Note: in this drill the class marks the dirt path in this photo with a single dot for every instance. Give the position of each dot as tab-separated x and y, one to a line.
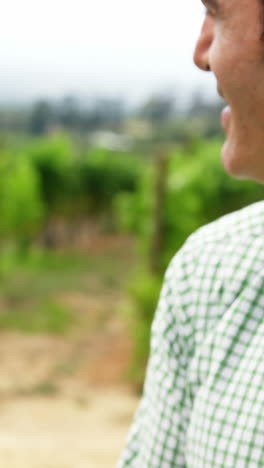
63	433
62	400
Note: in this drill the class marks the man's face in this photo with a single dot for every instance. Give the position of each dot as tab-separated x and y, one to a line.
230	45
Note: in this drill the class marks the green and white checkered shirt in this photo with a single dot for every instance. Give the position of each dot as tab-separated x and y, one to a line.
203	402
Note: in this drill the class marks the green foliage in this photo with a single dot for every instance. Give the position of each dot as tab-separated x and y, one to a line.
134	211
105	173
21	206
197	191
86	184
52	159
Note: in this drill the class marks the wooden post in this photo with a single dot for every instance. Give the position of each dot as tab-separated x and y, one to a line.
158	238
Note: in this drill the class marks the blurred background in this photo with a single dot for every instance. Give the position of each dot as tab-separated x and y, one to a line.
109	158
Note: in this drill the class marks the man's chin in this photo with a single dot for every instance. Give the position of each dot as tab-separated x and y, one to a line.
232	160
237	161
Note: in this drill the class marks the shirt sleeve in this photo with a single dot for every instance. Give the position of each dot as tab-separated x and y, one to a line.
157	436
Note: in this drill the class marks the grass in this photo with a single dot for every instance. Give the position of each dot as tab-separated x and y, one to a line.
53	271
48	317
30	286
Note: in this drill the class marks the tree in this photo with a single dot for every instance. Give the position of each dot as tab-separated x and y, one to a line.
158	109
105	113
42	117
69	113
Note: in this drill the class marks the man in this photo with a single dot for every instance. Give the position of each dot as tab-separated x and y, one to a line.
203	402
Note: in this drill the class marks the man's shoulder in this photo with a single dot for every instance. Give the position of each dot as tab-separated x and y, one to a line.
238	234
209	271
242	224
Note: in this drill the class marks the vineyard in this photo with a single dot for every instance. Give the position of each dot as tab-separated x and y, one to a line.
60	203
85	237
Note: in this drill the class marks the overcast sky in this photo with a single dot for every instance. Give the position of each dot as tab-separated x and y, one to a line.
126	48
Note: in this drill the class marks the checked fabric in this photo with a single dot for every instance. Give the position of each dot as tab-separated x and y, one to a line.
203	400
